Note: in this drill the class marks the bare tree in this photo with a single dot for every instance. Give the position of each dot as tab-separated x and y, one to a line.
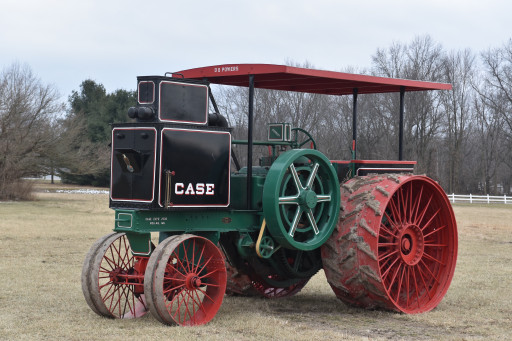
28	110
459	68
490	145
498	80
419	60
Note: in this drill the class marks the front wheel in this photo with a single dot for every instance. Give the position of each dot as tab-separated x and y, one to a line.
185	280
112	278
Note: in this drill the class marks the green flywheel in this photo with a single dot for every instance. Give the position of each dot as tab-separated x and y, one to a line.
301	199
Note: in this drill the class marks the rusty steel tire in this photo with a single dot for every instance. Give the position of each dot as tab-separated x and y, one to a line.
105	290
395	245
86	274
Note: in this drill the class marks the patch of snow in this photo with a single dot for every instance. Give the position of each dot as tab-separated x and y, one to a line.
82	191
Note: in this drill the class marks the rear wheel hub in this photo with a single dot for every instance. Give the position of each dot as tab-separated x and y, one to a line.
411	245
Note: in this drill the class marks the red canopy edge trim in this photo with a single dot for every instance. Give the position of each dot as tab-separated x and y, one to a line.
289	78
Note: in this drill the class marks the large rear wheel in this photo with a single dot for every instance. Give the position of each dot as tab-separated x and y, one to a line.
395	245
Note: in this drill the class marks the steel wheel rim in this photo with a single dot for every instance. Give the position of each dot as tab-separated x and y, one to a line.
417	246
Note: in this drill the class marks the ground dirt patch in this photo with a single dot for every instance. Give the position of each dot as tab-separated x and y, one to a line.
43	244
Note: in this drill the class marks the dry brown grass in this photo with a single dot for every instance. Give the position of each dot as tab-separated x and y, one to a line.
43	244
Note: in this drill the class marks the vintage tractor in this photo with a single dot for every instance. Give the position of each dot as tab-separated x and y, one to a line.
385	238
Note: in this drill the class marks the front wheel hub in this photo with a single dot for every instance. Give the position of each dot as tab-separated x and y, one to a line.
193	281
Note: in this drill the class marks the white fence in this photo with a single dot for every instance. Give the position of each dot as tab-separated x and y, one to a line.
480	199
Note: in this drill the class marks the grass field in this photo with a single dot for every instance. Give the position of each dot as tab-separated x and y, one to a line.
43	244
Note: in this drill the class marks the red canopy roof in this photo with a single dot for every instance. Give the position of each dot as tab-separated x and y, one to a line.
289	78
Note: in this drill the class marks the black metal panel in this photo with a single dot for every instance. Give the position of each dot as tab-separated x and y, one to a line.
133	164
146	92
198	164
183	103
173	100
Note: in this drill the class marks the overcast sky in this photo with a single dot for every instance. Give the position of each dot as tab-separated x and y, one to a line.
112	42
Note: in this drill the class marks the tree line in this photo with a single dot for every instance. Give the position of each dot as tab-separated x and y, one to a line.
40	135
462	138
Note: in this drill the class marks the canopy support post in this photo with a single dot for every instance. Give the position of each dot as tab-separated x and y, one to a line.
401	127
249	142
354	123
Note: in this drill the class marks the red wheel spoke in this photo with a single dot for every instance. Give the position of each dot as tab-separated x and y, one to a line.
126	257
111	298
423	280
418	203
394	276
210	273
117	255
430	272
185	253
110	262
174	279
405	206
402	205
434	231
416	286
203	266
384	228
431	219
400	282
381	258
407	286
195	303
206	295
127	303
180	264
410	203
104	285
200	303
194	255
177	299
117	300
174	288
388	244
436	245
389	268
396	199
395	212
200	259
432	258
418	221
